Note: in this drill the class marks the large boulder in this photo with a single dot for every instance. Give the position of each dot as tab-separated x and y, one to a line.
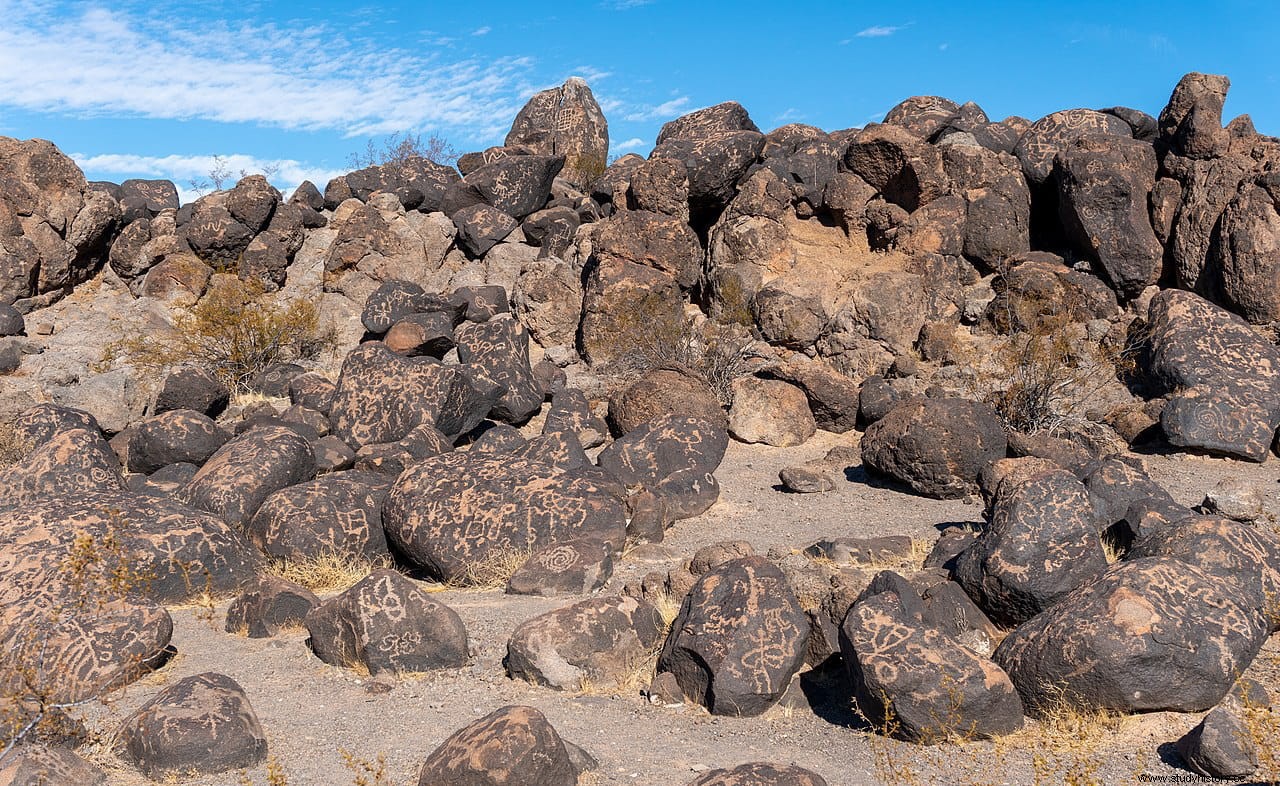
65	463
457	510
40	765
1191	123
715	163
514	185
760	774
1221	376
1054	133
565	121
500	347
739	638
918	681
661	242
998	201
512	746
626	306
664	391
673	456
1042	543
338	513
236	480
937	446
898	164
387	625
1151	634
201	724
600	641
1245	255
923	116
172	437
1104	186
771	412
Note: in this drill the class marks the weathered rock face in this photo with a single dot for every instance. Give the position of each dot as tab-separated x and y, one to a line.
1104	185
739	638
1191	123
1054	133
1245	255
500	347
515	185
998	202
923	116
898	164
37	765
575	567
673	457
929	685
661	242
935	446
598	640
512	746
548	301
386	624
179	435
339	513
565	121
715	161
456	510
201	724
622	299
64	463
53	228
663	391
267	605
1150	634
1223	378
1041	545
236	480
771	412
1221	746
761	774
1225	549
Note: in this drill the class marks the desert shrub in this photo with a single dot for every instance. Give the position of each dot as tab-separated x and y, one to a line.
399	148
327	572
493	571
235	332
585	169
13	447
1049	372
717	353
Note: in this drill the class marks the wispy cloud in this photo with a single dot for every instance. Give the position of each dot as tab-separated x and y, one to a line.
791	115
635	143
591	73
106	62
482	30
663	111
878	31
288	173
625	5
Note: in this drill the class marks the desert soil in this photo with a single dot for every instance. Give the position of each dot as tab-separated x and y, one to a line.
312	712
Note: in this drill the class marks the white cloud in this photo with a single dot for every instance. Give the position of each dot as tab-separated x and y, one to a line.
288	174
943	47
108	62
663	111
879	31
625	5
635	143
791	115
482	30
591	74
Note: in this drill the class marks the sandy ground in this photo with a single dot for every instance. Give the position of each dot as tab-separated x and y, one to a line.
313	713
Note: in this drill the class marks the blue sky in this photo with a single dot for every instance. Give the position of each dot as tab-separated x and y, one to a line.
157	88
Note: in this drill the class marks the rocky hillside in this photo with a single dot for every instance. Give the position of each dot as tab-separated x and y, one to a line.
517	371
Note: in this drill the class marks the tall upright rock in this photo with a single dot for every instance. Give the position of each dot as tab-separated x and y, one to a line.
565	121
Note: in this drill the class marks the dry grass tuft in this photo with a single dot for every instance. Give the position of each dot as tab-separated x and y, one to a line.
493	571
13	447
330	571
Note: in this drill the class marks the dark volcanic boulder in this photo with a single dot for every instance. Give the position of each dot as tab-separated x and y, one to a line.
515	185
234	482
202	724
41	765
761	774
1053	133
576	567
901	166
66	463
620	301
998	214
664	391
937	446
386	624
673	456
1151	634
1042	544
833	397
340	513
923	116
38	424
598	640
739	638
176	436
715	164
1222	377
719	119
565	121
460	509
500	347
481	227
512	746
1191	123
267	605
1104	186
191	388
661	242
1225	549
918	678
1245	255
1221	746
